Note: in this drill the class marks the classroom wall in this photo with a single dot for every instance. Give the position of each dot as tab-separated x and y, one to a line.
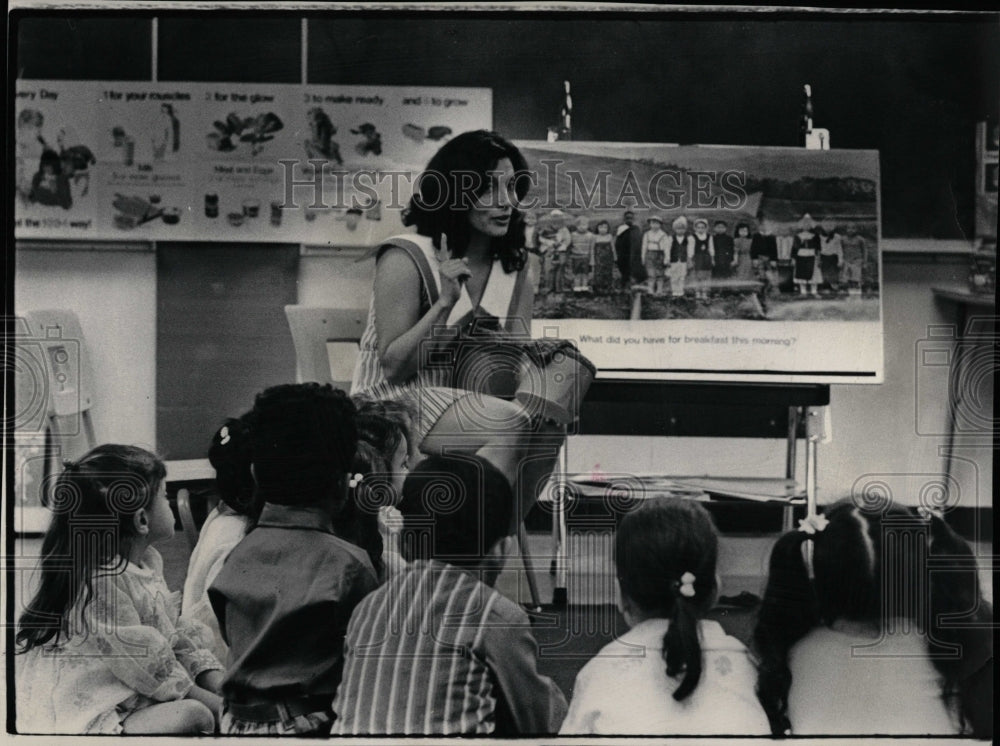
911	88
113	293
874	429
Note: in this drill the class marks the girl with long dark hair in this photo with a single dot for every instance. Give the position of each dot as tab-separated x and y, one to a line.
872	623
103	649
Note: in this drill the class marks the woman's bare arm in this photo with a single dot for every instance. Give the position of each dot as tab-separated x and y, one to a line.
398	323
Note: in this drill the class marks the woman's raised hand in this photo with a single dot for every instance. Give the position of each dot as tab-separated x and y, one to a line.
453	272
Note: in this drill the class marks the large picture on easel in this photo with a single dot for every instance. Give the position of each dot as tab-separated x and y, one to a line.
709	262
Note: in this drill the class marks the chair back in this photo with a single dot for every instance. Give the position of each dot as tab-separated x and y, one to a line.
326	342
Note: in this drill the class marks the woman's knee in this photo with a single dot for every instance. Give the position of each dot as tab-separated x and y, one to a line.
478	419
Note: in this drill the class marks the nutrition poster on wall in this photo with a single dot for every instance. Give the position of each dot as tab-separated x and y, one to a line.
325	165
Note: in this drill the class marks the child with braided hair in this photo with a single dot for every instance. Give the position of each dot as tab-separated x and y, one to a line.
673	672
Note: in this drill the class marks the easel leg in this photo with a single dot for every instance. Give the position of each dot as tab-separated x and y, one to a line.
788	517
529	568
814	431
561	561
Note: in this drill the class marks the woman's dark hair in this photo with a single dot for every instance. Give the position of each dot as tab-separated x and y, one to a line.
378	439
739	227
108	486
605	223
231	455
303	438
657	545
455	509
854	567
458	174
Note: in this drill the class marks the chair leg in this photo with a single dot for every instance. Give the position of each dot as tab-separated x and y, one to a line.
186	516
522	540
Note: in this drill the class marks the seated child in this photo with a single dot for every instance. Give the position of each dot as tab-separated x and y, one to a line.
843	651
672	672
286	592
103	649
376	483
437	650
225	526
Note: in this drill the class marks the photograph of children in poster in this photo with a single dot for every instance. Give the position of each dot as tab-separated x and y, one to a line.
709	262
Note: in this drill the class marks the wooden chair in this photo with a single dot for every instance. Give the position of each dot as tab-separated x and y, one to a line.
326	342
191	528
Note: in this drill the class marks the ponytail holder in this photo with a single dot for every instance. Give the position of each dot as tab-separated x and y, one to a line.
686	585
224	435
929	514
355	481
813	524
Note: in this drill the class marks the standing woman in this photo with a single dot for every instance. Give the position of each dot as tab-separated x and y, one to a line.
466	261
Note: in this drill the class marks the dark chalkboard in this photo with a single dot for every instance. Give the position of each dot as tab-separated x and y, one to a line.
221	336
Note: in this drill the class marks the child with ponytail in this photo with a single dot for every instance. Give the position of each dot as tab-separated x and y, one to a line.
225	526
673	672
102	647
378	471
873	623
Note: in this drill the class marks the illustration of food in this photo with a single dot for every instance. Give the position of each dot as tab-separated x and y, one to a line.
414	132
321	131
371	140
438	133
353	218
253	130
134	211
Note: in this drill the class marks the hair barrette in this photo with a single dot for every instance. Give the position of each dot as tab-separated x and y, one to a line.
813	524
686	585
930	513
355	481
224	435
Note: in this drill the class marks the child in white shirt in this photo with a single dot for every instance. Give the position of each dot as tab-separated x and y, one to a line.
858	634
672	673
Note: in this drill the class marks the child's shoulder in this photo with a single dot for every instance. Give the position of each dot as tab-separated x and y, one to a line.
348	552
150	563
503	609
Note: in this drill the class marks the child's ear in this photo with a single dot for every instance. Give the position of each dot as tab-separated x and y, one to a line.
140	522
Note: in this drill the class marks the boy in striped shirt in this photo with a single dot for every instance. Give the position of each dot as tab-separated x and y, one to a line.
436	650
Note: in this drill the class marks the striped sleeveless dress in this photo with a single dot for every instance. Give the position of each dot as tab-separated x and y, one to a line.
431	391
